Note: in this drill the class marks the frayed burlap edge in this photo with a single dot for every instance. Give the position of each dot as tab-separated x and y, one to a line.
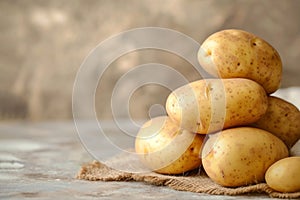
199	183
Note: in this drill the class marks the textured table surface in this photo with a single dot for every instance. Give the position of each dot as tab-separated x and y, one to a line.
40	160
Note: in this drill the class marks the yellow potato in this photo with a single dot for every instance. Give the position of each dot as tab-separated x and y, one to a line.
241	156
239	54
165	148
284	175
209	105
282	119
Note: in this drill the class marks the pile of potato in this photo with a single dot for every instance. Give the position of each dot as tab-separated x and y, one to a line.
230	125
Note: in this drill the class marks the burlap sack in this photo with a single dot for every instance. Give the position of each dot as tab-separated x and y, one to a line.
194	181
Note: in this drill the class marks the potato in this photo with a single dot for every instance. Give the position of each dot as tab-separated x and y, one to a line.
284	175
165	148
239	54
209	105
282	119
240	156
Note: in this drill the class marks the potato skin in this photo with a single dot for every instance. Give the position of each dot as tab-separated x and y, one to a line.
284	175
241	156
281	119
209	105
165	148
239	54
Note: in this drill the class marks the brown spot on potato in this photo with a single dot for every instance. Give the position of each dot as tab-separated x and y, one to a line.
223	174
208	52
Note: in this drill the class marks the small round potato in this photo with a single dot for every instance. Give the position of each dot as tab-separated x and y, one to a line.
240	54
241	156
165	148
209	105
284	175
282	119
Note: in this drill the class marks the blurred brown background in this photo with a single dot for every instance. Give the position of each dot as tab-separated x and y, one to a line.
43	44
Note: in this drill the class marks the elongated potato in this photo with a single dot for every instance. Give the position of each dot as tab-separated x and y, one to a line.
282	119
241	156
240	54
165	148
210	105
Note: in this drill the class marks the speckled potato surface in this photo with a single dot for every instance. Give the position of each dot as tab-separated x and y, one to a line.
165	148
240	54
284	175
240	156
281	119
210	105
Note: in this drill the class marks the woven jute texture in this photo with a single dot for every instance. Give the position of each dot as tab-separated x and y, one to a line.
194	181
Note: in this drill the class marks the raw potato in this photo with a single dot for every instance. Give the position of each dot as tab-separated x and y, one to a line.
284	175
166	149
210	105
241	156
282	119
239	54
